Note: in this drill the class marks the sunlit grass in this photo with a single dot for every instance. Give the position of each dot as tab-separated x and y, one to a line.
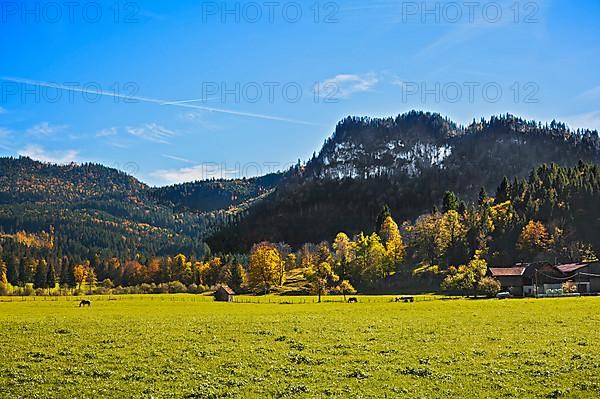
173	346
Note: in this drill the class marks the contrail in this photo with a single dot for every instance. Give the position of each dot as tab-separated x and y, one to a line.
187	101
182	104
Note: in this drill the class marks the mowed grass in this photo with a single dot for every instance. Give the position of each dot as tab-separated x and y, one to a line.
175	347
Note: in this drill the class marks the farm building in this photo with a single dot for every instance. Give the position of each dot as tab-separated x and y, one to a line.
540	278
224	294
585	275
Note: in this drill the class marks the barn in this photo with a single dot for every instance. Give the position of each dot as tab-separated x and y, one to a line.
584	275
537	278
224	294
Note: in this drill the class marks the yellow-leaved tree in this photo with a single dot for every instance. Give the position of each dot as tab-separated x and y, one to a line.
394	246
342	255
534	240
80	274
266	268
321	276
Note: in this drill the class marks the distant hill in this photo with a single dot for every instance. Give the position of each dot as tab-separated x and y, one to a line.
91	209
407	162
211	195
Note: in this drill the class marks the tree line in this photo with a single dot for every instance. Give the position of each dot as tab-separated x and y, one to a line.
552	215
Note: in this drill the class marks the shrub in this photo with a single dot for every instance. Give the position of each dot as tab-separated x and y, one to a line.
28	290
489	287
162	288
145	288
107	283
193	289
177	287
203	288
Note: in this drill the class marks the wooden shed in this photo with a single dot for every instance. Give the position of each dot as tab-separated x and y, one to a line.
224	294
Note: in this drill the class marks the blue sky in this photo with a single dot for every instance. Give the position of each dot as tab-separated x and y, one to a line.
150	87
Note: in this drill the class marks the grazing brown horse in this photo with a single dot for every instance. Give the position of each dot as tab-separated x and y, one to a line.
352	300
85	302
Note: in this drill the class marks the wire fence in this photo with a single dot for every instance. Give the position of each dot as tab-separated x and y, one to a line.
239	299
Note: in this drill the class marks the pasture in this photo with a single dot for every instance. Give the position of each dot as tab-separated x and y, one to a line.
189	347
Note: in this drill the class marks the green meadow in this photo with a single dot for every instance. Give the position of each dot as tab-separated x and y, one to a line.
190	347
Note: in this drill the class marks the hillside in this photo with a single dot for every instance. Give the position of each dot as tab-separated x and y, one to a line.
89	209
211	195
407	162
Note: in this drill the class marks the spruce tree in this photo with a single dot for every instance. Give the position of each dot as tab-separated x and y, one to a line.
384	214
40	275
503	191
483	197
51	277
12	270
451	202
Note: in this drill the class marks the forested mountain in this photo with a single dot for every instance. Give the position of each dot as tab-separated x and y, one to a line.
88	210
210	195
407	162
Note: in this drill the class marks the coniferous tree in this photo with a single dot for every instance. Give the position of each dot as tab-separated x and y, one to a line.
451	202
40	275
12	270
483	197
384	214
24	275
503	192
51	277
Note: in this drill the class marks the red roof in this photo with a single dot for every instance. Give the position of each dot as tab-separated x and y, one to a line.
227	289
573	267
507	271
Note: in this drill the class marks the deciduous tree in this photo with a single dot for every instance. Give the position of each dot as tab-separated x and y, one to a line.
265	267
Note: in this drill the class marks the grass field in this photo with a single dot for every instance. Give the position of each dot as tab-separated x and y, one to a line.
188	347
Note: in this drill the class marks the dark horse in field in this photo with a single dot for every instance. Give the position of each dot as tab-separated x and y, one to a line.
85	302
352	300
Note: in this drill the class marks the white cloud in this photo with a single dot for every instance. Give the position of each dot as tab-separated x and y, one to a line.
44	129
111	131
198	118
344	85
3	110
4	138
590	94
197	172
589	120
152	132
4	132
175	158
39	153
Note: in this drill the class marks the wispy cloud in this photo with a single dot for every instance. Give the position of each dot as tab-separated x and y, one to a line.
590	94
44	129
111	131
344	85
38	152
175	158
589	120
3	110
4	133
198	118
470	27
171	103
152	132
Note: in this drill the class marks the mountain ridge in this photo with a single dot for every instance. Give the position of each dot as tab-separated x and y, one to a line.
407	162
